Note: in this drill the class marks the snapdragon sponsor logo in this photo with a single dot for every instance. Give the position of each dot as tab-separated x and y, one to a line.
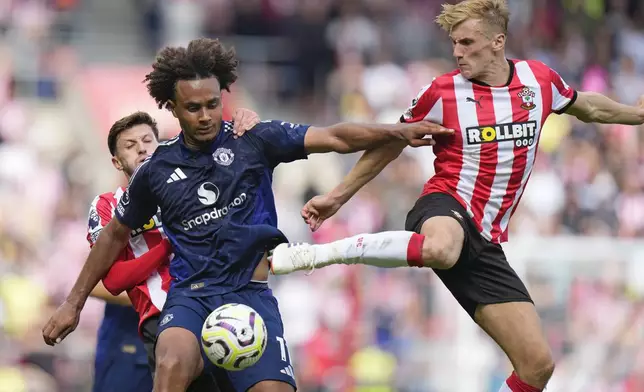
214	214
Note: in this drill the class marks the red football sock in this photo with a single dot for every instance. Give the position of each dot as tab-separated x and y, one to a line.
514	384
415	250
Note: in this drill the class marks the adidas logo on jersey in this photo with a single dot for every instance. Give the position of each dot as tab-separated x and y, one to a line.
177	175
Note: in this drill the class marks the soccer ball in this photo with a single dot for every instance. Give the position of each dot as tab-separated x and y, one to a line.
234	336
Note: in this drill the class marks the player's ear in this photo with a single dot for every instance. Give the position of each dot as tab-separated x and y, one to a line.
498	43
117	164
171	107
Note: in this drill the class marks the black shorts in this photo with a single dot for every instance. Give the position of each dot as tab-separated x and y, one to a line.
149	335
205	383
482	274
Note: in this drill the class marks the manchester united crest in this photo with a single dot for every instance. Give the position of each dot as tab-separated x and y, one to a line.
223	156
527	96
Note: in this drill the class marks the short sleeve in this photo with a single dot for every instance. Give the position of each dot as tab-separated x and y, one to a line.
100	214
425	102
281	141
563	96
137	205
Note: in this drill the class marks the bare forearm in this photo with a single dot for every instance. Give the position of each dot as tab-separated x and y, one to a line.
100	259
346	138
359	137
366	169
601	109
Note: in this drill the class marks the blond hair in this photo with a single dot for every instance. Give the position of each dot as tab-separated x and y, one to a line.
494	13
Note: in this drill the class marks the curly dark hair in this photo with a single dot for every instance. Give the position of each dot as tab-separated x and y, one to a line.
203	58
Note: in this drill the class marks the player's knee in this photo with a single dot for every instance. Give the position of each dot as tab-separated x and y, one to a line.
168	364
443	242
177	360
172	370
436	253
440	251
543	368
537	370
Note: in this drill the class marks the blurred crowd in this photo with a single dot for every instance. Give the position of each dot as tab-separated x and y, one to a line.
323	61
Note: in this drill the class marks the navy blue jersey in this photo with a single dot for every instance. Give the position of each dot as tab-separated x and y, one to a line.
217	204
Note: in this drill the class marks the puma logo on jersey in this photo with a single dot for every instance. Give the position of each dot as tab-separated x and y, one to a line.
522	134
476	101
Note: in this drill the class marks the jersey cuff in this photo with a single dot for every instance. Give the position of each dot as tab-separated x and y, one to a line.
568	105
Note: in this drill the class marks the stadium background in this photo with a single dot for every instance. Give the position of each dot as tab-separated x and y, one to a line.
68	68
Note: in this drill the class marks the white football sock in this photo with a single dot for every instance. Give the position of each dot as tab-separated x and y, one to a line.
389	249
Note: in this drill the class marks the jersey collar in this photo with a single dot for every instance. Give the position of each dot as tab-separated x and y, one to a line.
511	63
213	145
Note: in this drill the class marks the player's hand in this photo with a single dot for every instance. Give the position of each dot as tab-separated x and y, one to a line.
63	322
319	209
244	120
415	133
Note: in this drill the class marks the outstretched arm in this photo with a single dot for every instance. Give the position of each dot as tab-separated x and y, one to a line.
372	162
425	106
590	106
597	108
350	137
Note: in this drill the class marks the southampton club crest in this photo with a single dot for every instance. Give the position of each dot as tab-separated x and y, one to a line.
223	156
527	96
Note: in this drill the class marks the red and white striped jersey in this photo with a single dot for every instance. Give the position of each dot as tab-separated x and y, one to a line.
486	164
148	297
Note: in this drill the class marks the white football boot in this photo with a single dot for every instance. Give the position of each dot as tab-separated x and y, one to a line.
291	257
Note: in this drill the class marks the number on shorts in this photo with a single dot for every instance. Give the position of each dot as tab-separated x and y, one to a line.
283	349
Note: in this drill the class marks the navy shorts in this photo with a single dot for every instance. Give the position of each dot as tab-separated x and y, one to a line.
191	312
122	372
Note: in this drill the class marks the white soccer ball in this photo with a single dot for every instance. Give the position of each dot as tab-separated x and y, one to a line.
234	336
